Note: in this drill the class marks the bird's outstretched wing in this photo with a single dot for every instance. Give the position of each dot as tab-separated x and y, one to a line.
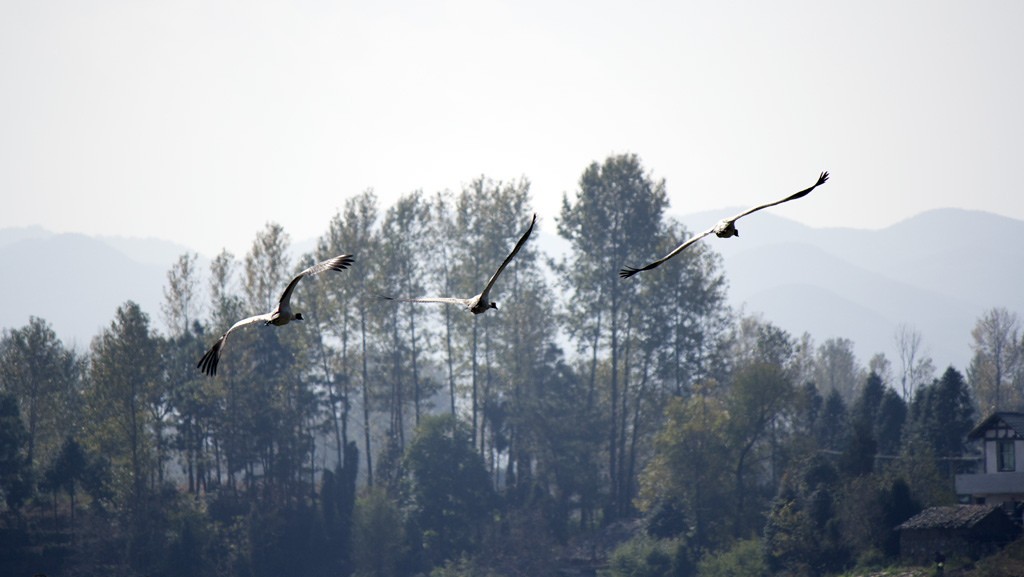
630	271
338	263
208	364
508	259
443	300
794	196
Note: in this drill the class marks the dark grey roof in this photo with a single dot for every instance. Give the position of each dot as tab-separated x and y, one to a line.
1013	420
957	517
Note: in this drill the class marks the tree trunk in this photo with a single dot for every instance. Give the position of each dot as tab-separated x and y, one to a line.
366	402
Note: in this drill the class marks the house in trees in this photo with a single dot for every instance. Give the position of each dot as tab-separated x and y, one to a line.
961	531
1001	478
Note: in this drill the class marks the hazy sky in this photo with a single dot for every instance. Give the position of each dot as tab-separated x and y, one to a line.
199	121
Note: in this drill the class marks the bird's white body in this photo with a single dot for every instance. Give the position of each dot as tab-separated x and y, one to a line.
281	315
724	228
479	303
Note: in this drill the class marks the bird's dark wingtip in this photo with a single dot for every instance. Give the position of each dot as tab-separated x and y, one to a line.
208	368
381	297
342	262
208	364
822	178
628	272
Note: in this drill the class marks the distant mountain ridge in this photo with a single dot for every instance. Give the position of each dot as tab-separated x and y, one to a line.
938	271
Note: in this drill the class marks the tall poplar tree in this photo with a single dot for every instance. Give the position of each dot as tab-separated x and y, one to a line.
125	375
613	220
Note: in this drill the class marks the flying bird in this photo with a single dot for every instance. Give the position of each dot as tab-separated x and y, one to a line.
480	302
281	315
723	229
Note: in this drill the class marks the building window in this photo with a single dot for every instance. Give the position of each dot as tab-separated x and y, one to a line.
1004	456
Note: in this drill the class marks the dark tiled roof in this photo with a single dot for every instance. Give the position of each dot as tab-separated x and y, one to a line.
958	517
1013	420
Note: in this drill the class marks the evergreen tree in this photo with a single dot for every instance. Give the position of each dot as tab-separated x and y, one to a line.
808	409
858	458
892	415
68	471
867	404
832	425
941	415
15	467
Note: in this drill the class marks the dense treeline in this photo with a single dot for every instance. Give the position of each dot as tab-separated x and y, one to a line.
381	438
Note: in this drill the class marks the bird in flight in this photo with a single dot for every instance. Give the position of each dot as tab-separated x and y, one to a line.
480	302
723	229
281	315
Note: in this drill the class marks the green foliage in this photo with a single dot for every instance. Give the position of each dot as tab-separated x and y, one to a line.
941	415
192	547
743	559
858	458
1009	561
918	467
461	567
43	375
378	535
644	556
892	415
125	384
15	468
451	489
690	465
898	505
869	401
833	425
802	535
764	394
68	471
614	219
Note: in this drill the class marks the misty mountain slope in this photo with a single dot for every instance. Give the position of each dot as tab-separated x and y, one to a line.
12	235
963	254
80	296
960	252
821	313
843	300
155	251
761	268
